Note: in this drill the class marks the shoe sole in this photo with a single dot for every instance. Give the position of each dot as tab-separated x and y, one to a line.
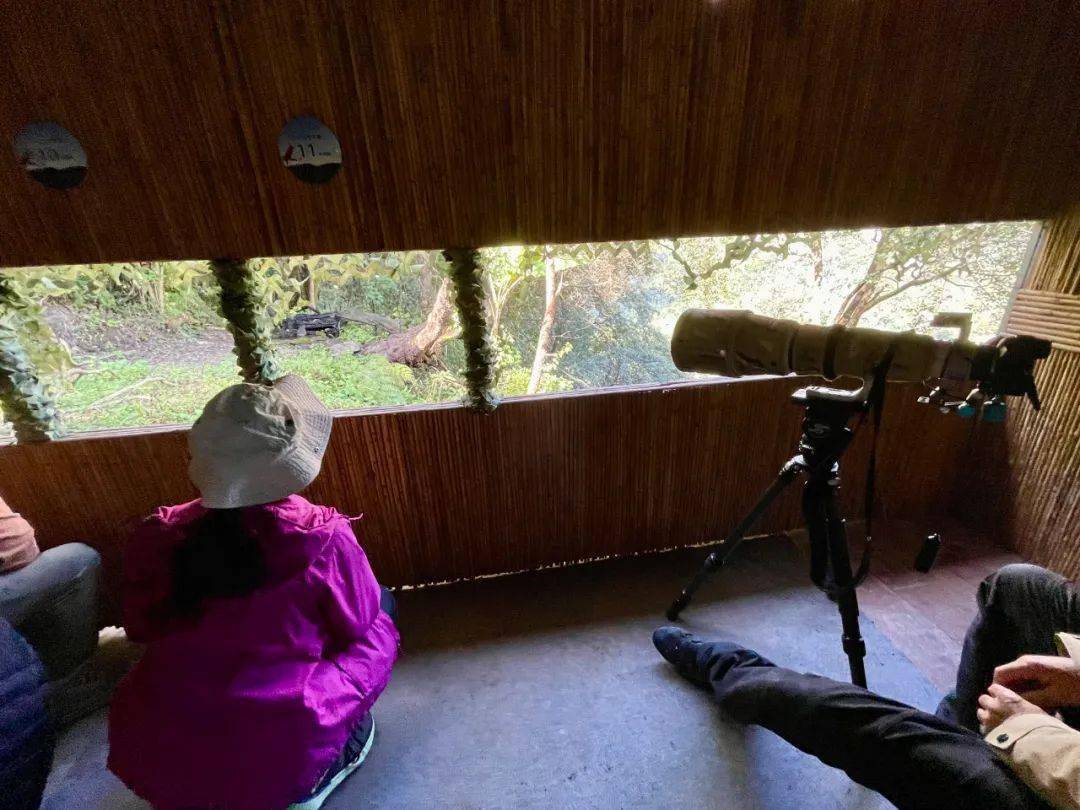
316	801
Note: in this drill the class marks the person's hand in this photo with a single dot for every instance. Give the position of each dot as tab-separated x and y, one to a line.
1048	681
998	704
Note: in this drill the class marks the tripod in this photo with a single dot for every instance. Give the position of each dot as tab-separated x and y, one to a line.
825	436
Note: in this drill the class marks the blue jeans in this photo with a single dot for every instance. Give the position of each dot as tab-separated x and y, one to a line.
26	741
53	604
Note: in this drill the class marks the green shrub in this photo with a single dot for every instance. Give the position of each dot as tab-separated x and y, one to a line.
123	393
352	381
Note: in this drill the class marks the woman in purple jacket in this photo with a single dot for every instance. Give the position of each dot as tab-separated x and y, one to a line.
268	637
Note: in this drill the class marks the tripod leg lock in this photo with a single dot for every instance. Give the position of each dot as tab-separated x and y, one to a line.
715	561
678	606
854	646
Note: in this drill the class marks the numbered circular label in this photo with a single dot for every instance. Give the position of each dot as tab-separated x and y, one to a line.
309	149
50	154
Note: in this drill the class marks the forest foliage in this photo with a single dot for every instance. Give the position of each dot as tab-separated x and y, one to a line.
131	344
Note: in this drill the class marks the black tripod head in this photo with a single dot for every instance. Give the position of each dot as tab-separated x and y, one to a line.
825	425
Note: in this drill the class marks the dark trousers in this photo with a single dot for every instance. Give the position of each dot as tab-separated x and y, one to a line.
914	759
388	604
53	603
26	741
1021	607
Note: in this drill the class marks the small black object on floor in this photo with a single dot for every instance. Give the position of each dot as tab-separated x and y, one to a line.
927	555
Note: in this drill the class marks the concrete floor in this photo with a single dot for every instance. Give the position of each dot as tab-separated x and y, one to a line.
544	690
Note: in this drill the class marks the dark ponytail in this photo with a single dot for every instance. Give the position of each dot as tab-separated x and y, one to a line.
218	558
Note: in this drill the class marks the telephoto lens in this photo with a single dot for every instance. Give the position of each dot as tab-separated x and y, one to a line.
736	342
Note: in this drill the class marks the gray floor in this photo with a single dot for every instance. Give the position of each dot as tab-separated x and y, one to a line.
543	690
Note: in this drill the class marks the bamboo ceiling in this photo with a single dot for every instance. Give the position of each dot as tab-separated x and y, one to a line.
511	121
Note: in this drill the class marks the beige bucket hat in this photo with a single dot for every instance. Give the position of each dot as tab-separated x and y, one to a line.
258	444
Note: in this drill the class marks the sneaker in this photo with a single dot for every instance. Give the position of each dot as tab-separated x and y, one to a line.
704	663
681	649
316	800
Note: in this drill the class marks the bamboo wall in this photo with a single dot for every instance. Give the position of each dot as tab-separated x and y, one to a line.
548	121
530	121
448	493
1028	476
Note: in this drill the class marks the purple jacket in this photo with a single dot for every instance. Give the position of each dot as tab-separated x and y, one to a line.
249	705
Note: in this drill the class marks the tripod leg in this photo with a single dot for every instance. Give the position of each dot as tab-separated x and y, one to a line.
716	559
826	528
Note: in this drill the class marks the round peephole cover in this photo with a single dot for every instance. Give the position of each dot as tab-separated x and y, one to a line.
309	149
50	154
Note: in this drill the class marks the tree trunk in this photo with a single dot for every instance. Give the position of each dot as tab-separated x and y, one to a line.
159	288
419	345
496	301
388	325
435	327
815	255
861	298
495	310
545	338
430	280
856	304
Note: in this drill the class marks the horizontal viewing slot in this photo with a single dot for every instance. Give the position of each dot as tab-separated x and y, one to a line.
133	345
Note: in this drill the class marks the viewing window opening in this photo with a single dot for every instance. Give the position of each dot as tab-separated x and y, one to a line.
138	344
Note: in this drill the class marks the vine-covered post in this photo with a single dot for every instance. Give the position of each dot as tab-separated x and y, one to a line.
469	297
24	399
243	304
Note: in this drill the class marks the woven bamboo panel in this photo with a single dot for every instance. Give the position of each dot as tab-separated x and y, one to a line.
495	121
1027	477
1052	316
1022	484
447	493
1056	268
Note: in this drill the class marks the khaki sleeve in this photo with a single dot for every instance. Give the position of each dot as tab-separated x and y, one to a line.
1045	753
1069	645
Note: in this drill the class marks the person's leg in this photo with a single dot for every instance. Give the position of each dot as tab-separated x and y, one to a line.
389	604
355	750
91	684
53	603
1020	608
912	758
360	737
26	741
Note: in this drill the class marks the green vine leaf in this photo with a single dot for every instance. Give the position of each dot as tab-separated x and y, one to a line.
244	305
25	401
479	356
